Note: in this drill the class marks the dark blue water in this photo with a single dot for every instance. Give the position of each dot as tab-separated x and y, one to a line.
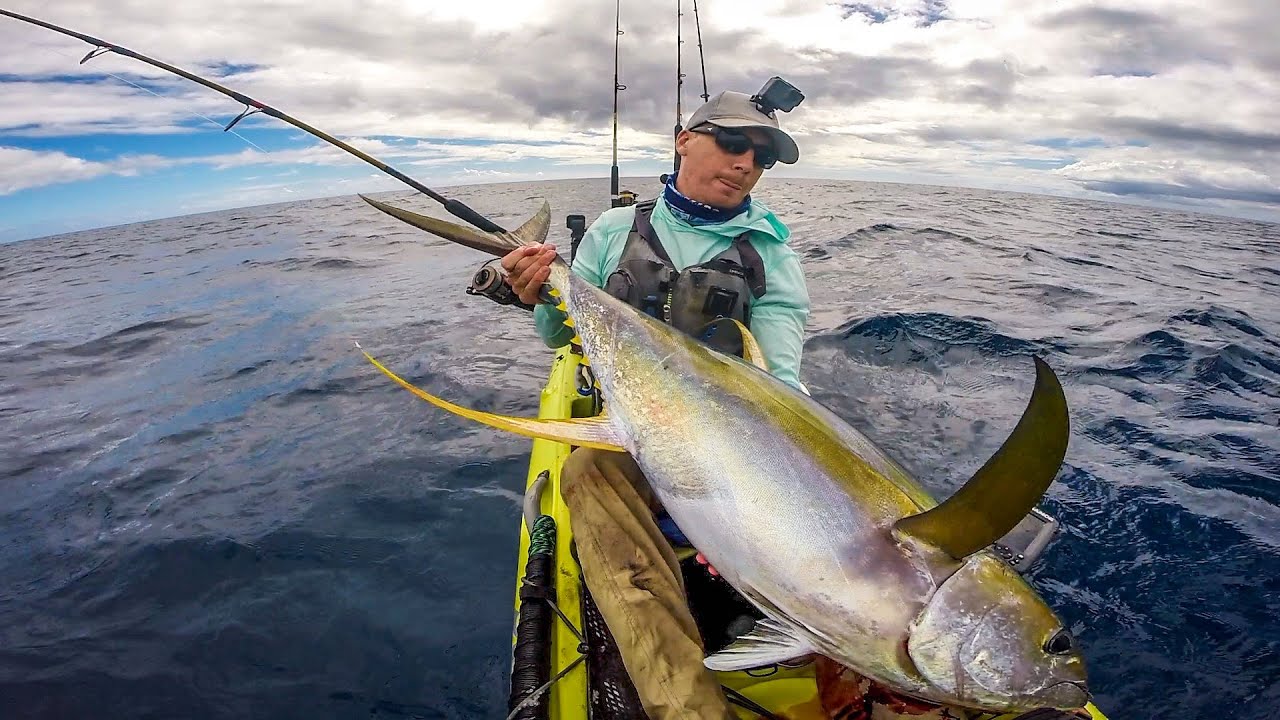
212	507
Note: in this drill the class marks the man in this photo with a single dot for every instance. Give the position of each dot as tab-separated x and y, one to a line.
702	250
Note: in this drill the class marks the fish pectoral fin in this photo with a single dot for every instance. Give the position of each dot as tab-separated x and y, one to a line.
1009	485
751	351
594	432
769	642
533	231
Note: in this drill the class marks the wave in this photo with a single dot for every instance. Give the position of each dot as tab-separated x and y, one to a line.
1235	367
1220	318
926	334
132	340
930	232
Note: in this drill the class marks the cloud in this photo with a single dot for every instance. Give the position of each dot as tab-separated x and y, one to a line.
1143	99
21	169
1144	171
1191	137
1122	41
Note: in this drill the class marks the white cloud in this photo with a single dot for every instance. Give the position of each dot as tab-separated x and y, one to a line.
21	169
1043	95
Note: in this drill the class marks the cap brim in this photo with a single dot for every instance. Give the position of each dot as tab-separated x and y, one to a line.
787	150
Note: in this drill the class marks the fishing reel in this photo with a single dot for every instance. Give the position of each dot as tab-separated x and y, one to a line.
777	94
625	198
491	282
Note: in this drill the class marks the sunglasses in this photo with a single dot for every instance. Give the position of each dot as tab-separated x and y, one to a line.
736	143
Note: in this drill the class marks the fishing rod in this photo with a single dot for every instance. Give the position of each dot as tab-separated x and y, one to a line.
679	80
702	60
617	87
252	107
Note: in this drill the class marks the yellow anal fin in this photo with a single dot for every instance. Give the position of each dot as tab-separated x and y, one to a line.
595	432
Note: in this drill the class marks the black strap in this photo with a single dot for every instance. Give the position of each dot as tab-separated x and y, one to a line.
642	225
752	264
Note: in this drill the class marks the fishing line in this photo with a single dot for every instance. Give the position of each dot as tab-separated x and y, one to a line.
252	107
233	131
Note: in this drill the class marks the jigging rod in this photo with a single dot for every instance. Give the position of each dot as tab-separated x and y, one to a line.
617	87
679	84
252	107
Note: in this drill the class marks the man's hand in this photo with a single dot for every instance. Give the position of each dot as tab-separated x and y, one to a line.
702	560
527	268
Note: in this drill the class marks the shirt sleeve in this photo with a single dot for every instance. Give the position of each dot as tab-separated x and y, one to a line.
779	317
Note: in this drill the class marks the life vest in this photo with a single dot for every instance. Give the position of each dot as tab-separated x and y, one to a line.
690	299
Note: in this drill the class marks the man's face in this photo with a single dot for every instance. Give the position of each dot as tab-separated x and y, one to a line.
712	175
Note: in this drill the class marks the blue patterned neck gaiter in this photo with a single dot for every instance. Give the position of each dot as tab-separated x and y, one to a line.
696	213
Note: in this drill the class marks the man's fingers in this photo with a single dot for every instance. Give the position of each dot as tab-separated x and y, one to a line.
528	267
532	259
528	272
513	258
522	267
702	559
530	293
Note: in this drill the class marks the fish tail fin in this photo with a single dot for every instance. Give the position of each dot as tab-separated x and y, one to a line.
532	232
1009	485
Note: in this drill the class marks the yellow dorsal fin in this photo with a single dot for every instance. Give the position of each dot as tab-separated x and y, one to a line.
595	432
751	351
750	348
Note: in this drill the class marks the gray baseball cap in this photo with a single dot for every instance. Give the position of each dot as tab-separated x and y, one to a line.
732	109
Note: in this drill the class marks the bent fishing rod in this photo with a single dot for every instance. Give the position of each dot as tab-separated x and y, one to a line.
252	107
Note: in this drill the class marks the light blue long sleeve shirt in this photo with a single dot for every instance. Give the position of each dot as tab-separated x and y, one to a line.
778	317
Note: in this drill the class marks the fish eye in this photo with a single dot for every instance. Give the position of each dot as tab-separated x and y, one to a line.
1060	644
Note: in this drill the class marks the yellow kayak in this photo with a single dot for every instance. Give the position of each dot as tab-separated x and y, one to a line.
558	674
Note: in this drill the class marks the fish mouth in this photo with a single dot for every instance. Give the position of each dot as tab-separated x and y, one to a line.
1067	694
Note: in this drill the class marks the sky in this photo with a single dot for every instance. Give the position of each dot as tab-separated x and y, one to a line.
1172	103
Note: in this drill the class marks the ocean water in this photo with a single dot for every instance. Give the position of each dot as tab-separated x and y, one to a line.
211	506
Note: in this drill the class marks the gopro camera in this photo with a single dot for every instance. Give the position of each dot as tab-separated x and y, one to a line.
777	94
